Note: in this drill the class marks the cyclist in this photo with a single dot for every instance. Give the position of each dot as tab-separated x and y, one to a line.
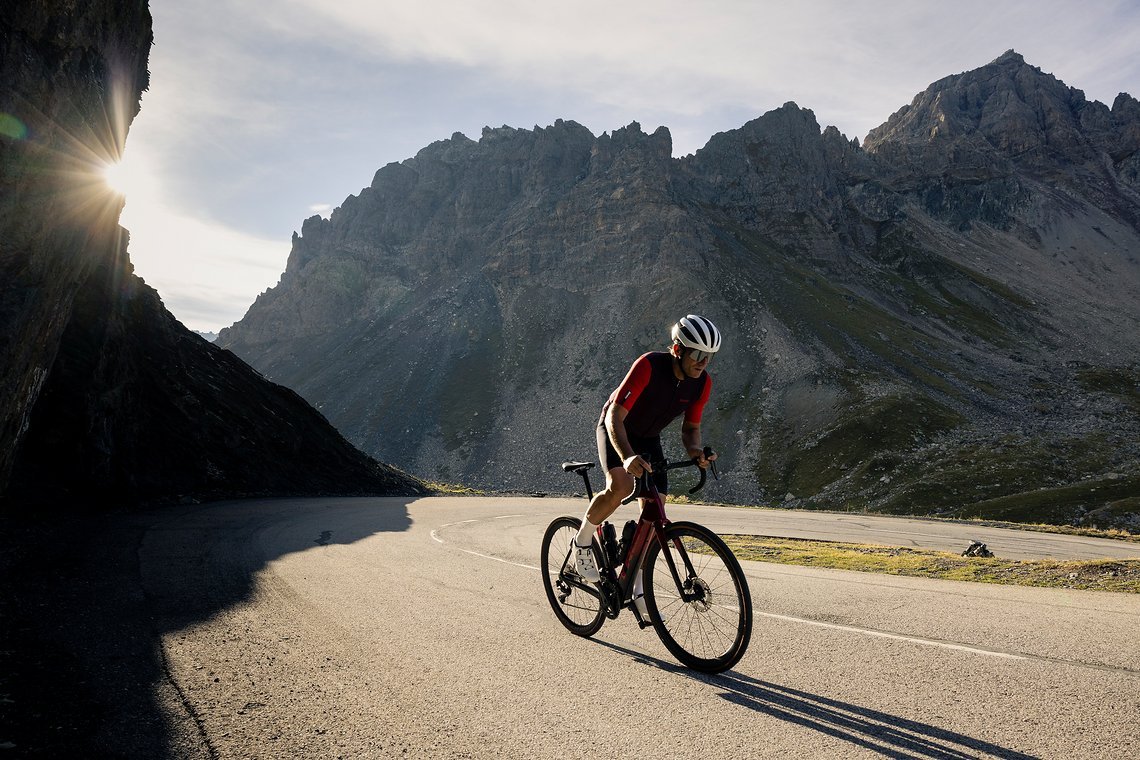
659	387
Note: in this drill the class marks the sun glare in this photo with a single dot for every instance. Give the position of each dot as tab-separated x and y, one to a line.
118	177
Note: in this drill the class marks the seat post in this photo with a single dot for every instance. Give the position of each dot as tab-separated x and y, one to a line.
586	479
581	468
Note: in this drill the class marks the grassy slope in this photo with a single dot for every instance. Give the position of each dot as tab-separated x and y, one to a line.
1095	575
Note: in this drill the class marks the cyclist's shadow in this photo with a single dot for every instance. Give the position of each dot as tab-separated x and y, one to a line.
886	734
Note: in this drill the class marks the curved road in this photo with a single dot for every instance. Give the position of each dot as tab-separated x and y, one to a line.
419	628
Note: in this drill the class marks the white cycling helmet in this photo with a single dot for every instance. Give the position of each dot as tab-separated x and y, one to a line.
697	332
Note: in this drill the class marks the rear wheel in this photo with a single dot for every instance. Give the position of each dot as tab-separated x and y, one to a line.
577	604
706	621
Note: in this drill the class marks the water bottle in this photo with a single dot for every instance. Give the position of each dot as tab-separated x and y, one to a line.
626	539
609	541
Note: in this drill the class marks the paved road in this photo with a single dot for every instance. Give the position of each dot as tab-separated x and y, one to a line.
397	628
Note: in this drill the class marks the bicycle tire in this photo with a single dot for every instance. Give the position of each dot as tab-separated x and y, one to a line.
581	611
709	634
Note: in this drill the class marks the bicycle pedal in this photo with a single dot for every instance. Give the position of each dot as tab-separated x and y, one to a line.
643	624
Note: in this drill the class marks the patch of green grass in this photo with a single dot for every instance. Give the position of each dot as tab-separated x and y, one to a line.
1016	479
1116	495
818	310
989	283
1116	534
865	436
1092	575
453	489
941	302
1122	383
852	327
865	442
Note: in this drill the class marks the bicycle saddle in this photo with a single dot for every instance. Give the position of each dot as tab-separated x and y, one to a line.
578	467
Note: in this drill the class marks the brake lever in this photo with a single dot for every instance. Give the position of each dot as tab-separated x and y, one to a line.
700	484
642	483
640	486
708	453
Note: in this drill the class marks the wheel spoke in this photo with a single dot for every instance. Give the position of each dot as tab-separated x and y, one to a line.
710	630
579	609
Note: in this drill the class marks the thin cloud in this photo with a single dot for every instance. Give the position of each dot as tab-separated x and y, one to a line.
253	114
860	61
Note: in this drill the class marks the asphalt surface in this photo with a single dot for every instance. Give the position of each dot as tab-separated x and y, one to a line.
419	628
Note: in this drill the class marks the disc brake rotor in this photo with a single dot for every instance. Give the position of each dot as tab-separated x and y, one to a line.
702	593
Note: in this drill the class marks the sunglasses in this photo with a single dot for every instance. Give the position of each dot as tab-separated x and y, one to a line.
700	356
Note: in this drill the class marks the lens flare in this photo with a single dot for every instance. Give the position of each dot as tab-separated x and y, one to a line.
12	127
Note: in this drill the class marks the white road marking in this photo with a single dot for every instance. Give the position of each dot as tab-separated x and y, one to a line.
497	559
504	517
894	636
436	537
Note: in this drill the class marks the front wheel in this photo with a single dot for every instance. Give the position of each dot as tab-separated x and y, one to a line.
703	615
577	604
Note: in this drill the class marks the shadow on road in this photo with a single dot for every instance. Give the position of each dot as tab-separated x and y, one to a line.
85	601
886	734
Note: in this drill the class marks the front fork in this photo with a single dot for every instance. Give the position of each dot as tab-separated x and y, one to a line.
684	586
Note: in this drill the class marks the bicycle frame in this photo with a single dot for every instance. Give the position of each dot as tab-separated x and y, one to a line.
696	599
650	527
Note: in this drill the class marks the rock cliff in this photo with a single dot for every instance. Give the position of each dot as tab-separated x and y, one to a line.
105	399
945	319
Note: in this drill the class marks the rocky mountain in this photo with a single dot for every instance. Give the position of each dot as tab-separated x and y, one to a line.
945	319
105	399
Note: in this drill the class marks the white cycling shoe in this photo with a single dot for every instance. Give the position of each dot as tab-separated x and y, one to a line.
585	563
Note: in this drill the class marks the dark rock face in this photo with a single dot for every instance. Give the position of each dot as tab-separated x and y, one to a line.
63	71
946	319
105	399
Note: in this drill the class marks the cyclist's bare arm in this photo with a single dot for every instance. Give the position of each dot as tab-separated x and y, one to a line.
615	428
691	439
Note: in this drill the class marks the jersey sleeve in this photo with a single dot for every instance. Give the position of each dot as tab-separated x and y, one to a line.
696	409
635	381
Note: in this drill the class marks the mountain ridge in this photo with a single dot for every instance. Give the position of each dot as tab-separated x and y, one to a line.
885	306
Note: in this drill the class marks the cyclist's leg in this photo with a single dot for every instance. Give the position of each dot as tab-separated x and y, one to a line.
651	447
619	483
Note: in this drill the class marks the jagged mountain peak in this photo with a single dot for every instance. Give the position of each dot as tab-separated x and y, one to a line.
788	125
1009	56
1008	111
632	134
1005	95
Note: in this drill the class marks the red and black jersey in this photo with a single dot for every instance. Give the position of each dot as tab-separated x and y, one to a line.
653	396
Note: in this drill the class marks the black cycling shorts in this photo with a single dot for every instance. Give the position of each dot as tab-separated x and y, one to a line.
649	448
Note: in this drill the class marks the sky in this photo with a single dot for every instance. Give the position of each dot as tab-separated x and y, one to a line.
260	115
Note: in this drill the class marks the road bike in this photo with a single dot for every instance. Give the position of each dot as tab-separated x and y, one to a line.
695	594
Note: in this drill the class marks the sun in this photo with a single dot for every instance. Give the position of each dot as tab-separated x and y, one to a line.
119	176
